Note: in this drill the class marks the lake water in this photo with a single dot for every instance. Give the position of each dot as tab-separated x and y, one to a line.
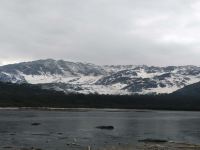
77	129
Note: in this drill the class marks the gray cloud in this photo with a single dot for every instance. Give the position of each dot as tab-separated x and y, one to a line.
152	32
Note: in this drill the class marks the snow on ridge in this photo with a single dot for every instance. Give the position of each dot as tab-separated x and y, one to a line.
88	82
143	74
48	78
160	90
103	90
116	79
8	74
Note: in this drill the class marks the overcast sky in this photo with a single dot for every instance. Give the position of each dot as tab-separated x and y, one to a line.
152	32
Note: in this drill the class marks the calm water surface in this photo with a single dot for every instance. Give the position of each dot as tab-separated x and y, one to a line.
59	129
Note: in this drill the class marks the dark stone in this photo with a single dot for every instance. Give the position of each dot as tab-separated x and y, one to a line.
153	141
105	127
36	124
60	133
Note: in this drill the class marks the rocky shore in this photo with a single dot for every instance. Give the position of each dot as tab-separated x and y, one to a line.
140	146
156	146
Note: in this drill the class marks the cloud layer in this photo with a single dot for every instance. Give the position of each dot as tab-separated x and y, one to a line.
152	32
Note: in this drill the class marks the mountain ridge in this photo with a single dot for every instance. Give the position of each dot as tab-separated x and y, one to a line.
88	78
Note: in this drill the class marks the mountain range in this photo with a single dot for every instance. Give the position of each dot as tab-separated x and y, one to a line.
87	78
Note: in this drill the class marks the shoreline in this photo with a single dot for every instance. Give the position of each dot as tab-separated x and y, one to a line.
91	109
71	109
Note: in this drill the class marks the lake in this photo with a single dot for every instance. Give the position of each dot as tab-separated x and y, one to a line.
76	128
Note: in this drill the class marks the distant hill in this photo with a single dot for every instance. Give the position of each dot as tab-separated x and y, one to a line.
192	90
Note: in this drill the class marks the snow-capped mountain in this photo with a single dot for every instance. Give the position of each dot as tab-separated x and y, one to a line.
86	78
